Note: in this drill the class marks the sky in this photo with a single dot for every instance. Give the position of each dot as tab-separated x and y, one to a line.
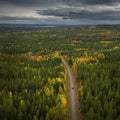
68	12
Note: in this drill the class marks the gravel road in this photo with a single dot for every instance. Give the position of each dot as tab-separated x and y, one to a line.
72	97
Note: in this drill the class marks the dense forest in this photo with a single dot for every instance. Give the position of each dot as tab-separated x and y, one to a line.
33	81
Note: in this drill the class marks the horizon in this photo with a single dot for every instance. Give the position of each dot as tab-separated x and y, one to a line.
47	24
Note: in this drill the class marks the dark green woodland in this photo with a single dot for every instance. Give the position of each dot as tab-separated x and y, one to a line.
33	80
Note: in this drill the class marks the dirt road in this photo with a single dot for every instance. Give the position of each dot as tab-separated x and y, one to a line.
72	95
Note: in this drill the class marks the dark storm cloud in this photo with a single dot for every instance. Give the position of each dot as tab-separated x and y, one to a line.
99	1
108	15
15	18
72	13
31	2
60	10
72	2
89	2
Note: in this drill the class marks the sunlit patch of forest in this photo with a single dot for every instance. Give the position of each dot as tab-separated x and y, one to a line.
33	82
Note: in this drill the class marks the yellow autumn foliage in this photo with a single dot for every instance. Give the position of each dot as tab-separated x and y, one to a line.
116	47
36	57
49	79
59	79
47	91
26	68
106	42
22	103
63	101
10	94
38	92
86	57
26	90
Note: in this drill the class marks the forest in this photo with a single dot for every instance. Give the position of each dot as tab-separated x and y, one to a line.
33	80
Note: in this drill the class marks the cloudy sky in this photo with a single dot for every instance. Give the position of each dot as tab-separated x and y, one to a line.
60	11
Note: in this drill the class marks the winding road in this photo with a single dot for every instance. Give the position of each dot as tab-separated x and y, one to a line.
72	95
